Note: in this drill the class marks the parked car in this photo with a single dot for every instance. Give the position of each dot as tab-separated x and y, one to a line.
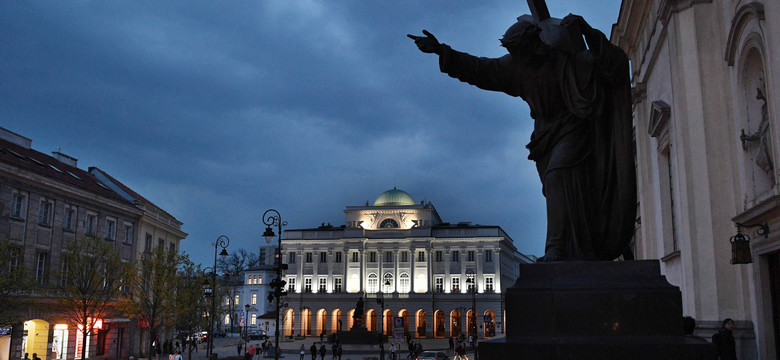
257	335
219	333
433	355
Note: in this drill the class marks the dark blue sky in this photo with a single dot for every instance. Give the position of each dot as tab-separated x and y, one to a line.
217	111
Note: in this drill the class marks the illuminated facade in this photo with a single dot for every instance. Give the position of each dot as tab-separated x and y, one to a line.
400	252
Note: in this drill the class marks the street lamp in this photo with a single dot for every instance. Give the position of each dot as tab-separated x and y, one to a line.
472	281
270	218
246	328
381	301
221	242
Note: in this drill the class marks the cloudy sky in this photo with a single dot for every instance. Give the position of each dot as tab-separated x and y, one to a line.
219	110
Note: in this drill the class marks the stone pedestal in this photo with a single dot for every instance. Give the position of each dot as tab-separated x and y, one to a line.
594	310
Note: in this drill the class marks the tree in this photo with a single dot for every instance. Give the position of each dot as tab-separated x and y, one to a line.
237	262
191	305
90	281
14	283
151	291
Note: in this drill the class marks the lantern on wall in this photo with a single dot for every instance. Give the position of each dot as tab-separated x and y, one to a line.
740	243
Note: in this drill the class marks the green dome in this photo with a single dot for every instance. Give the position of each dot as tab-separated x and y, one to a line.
394	197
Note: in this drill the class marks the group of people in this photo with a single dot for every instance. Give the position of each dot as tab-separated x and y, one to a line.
259	350
335	351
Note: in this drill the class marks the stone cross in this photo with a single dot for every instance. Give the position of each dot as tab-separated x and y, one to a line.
539	10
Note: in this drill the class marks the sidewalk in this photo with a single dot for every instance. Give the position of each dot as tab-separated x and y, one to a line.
227	348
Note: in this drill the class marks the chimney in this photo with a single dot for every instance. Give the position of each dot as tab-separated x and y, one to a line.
65	159
15	138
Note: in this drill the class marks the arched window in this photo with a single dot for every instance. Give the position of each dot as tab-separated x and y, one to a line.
387	283
404	284
373	283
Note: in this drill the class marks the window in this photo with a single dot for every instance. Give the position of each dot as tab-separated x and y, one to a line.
160	242
489	284
172	247
455	284
291	257
470	255
40	268
17	206
148	243
323	257
291	284
110	229
439	256
253	320
227	300
355	256
69	220
323	284
388	256
456	256
64	273
337	284
91	224
308	257
404	256
404	285
438	284
338	256
254	298
472	284
372	256
388	224
128	233
421	256
373	283
15	259
236	298
387	283
227	319
44	215
488	255
307	285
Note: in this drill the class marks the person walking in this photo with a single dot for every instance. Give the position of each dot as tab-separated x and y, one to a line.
322	352
313	350
340	350
724	341
302	351
238	349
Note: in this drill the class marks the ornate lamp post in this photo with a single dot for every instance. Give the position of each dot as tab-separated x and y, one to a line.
246	328
221	242
272	217
381	301
472	281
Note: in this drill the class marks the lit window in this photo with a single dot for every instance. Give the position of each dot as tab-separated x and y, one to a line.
455	284
307	285
439	284
404	284
387	283
489	284
323	284
337	284
236	299
254	298
373	283
227	319
253	320
291	284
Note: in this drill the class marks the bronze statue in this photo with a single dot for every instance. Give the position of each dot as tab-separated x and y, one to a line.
580	100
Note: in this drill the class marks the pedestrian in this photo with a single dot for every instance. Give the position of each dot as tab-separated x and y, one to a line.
452	344
313	350
178	355
26	356
333	349
340	350
238	349
302	351
35	356
724	341
322	352
392	351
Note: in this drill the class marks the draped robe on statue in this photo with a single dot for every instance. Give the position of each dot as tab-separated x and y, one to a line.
581	143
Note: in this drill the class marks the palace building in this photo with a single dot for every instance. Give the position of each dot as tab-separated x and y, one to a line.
404	262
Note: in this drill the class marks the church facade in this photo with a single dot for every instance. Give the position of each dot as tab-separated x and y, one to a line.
413	274
705	76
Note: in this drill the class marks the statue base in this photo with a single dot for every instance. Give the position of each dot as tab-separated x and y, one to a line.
357	335
594	310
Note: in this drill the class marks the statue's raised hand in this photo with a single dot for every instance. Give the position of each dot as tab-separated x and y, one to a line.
427	44
577	21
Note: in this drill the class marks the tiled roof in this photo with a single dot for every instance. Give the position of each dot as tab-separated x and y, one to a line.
39	163
129	191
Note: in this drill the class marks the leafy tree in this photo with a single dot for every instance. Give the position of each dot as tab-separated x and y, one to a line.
14	283
151	291
90	281
191	305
